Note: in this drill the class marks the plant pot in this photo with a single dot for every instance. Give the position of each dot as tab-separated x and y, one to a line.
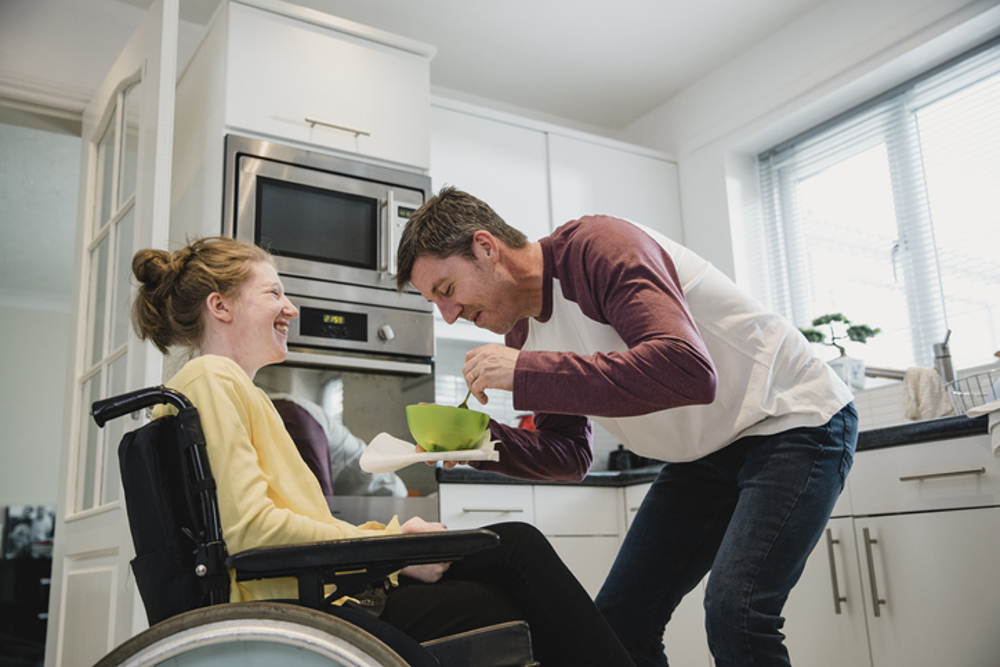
850	370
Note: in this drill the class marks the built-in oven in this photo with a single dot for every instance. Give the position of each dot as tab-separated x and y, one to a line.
359	350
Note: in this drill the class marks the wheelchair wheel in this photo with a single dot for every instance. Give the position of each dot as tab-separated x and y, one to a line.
253	634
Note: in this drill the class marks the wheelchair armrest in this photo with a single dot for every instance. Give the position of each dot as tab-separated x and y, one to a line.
382	551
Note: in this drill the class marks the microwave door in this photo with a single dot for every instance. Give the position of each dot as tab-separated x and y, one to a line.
318	224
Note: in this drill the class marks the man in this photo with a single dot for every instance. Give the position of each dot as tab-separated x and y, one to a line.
610	320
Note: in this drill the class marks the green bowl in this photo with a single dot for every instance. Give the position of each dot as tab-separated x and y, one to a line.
443	428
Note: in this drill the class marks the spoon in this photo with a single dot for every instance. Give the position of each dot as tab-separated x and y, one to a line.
465	404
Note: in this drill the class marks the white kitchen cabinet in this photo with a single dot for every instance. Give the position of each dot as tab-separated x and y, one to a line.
685	639
935	574
825	612
581	522
924	535
589	178
262	68
501	163
282	71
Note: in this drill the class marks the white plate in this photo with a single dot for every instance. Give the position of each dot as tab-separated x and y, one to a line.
386	453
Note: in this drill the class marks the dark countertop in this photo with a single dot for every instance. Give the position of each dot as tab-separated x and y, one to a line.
877	438
922	431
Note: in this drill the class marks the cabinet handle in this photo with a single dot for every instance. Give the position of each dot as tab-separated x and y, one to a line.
946	473
493	510
877	602
837	597
344	128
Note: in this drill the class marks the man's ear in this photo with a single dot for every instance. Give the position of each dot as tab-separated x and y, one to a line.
218	307
485	244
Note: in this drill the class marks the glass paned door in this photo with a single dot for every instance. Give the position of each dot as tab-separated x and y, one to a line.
109	253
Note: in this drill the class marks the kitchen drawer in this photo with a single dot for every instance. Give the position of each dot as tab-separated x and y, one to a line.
465	506
944	474
578	510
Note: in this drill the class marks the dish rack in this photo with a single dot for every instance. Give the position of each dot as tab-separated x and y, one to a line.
975	390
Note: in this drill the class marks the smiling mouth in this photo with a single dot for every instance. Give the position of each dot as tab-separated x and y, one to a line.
282	328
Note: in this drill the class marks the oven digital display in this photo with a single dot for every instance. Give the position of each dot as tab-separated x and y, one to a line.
337	324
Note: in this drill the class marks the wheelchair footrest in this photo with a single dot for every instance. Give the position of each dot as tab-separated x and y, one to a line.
500	645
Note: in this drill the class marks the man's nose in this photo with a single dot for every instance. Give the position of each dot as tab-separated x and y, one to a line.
449	311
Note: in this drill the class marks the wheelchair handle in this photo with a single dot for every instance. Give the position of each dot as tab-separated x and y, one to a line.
114	407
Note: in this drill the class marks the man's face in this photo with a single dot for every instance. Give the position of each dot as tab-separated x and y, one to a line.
476	290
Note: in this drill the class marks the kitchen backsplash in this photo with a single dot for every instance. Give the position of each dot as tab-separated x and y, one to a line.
880	407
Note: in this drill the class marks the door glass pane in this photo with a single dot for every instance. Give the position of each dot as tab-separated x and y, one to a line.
130	143
122	287
105	166
98	297
113	432
90	441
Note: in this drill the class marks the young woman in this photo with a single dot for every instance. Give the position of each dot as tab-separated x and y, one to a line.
223	299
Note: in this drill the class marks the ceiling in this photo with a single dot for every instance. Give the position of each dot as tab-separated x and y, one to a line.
598	63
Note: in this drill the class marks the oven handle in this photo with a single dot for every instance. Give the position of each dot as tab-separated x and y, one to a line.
336	361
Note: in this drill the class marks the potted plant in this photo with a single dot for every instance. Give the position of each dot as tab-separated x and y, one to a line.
850	370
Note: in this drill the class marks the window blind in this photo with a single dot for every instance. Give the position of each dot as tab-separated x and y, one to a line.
890	214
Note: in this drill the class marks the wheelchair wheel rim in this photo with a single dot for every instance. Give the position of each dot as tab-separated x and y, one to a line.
315	638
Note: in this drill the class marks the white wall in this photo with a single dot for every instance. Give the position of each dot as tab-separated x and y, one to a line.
839	55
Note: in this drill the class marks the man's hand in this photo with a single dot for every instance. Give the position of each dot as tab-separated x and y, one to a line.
489	367
431	572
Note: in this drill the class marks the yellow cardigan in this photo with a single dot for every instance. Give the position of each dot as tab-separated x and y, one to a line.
267	494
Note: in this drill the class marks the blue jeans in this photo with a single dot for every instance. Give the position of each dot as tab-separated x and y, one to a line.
751	513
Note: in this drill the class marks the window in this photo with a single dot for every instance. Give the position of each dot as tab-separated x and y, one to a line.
109	293
890	214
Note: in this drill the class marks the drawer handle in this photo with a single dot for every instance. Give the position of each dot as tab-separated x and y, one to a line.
344	128
877	602
947	473
493	510
837	597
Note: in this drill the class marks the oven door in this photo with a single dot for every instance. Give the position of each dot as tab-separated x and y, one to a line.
321	224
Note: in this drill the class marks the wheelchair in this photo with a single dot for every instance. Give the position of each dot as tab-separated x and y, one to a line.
182	568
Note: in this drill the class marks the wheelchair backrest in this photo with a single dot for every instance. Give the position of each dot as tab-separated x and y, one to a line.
173	515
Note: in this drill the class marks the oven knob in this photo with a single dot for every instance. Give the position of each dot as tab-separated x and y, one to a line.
386	333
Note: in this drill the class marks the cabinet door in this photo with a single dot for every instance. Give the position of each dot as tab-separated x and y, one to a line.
936	575
588	178
588	557
685	639
282	70
502	164
464	506
825	612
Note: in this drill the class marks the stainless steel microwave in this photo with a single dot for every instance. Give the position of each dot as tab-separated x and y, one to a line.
323	217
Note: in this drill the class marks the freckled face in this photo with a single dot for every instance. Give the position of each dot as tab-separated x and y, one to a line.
471	289
261	314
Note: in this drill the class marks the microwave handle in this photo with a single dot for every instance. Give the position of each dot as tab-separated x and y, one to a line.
391	241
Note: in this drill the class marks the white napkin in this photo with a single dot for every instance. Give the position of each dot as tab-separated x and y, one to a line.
993	410
386	453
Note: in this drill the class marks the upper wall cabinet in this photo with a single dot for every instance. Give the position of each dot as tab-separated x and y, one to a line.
500	163
288	72
280	72
589	178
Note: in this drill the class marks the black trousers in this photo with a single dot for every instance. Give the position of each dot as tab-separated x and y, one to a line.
521	579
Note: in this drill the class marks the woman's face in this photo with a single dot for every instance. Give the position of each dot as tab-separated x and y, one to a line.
261	314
